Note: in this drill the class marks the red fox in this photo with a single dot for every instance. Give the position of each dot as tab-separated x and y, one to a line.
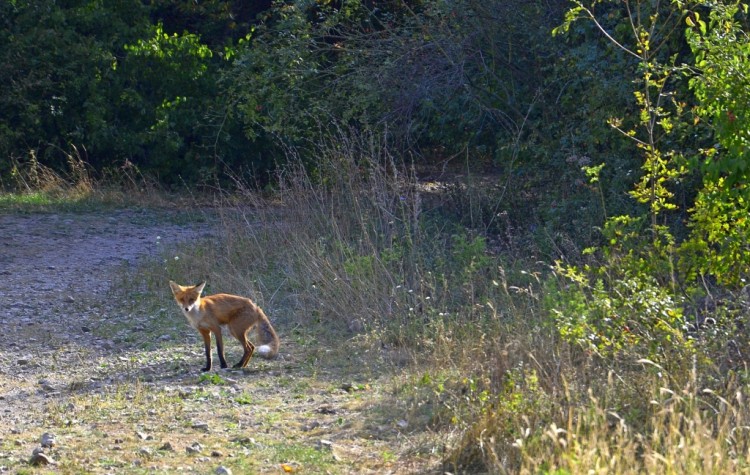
240	314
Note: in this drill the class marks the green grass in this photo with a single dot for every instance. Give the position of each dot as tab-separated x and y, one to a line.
49	202
211	378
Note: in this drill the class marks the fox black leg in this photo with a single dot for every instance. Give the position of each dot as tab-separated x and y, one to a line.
207	347
220	347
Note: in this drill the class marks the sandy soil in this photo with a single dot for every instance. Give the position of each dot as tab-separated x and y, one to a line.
56	271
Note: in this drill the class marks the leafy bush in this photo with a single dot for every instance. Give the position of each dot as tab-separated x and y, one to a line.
631	317
57	62
99	77
167	90
718	245
634	296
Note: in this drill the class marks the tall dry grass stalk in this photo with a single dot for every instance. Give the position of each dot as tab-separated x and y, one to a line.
671	430
349	243
352	229
77	183
31	176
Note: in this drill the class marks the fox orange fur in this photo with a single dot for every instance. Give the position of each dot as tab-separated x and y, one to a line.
240	314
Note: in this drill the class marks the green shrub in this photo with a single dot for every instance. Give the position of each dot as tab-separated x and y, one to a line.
632	317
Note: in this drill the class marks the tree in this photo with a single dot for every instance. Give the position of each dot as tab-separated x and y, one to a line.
55	71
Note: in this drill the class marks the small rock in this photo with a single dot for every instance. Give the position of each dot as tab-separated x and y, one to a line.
144	436
200	426
245	441
69	299
310	426
48	440
324	444
40	458
168	447
221	470
402	424
145	451
194	449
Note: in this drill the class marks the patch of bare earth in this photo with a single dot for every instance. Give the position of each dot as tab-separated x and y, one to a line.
119	390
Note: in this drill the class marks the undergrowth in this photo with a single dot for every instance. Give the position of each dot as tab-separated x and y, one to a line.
350	249
32	186
516	367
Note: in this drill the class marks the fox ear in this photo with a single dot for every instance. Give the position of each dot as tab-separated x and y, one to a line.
199	287
175	288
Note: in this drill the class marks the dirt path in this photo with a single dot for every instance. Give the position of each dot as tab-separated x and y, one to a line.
120	388
53	268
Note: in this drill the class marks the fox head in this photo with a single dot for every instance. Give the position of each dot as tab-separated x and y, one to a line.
187	297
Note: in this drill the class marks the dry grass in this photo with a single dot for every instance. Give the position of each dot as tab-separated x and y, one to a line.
349	251
431	353
33	186
255	421
669	430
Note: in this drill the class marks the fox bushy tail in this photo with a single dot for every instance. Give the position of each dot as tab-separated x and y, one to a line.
267	338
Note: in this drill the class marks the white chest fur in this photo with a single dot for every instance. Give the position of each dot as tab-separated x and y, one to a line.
193	316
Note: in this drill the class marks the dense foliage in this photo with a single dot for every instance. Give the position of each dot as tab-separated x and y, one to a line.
632	115
614	134
177	87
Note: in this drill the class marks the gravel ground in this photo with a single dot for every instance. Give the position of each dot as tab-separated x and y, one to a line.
57	272
101	387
